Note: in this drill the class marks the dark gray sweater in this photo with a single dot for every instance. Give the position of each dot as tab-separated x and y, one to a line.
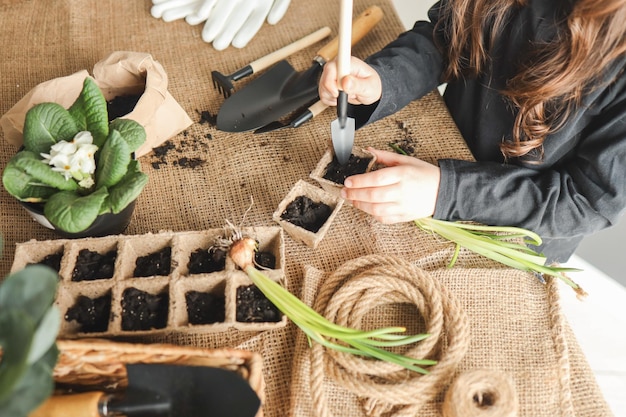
580	185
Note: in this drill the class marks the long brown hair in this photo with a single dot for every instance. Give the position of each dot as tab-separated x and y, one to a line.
557	73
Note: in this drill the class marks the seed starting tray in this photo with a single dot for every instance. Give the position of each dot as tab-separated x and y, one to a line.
169	289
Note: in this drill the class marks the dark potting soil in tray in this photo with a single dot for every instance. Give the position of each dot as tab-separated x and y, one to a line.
144	311
207	260
205	308
92	265
52	261
157	263
264	260
91	313
338	173
306	213
254	307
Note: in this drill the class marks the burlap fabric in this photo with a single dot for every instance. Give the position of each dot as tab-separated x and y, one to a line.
515	322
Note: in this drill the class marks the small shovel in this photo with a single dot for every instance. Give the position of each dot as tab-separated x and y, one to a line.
224	83
311	111
342	128
281	89
163	390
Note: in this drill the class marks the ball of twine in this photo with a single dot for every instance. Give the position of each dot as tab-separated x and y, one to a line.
362	285
481	393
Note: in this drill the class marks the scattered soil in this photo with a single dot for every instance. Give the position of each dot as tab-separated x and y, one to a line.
338	173
253	307
122	105
92	265
143	311
406	144
91	313
205	308
264	260
157	263
190	151
306	213
53	261
207	260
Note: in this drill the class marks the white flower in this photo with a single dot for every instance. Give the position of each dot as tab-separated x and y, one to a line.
74	159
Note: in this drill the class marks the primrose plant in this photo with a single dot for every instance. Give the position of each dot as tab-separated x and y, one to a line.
29	324
75	162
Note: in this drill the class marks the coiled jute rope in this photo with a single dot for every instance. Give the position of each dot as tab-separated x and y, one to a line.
481	393
362	285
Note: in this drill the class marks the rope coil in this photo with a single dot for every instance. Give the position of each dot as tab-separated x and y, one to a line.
358	287
481	393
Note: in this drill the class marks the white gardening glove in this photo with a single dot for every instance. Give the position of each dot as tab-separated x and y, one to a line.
226	21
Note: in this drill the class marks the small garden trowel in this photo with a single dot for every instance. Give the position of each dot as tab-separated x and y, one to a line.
163	390
342	128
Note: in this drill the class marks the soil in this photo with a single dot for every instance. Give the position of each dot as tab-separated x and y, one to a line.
52	261
254	307
92	265
205	308
265	260
338	173
92	314
155	264
206	261
406	144
122	105
306	213
143	311
191	150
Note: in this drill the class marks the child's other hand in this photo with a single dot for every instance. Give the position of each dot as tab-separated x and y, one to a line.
406	189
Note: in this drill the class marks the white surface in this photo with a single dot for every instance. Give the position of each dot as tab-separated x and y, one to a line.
599	321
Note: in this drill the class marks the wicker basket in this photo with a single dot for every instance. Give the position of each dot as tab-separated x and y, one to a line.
100	363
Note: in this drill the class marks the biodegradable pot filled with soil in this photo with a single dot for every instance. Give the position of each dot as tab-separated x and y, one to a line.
330	174
307	212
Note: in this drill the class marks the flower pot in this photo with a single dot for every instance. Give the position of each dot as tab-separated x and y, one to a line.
104	225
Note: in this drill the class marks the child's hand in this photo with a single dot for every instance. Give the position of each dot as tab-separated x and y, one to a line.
406	189
363	85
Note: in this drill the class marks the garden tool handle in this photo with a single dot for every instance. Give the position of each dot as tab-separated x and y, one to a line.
85	404
285	51
360	27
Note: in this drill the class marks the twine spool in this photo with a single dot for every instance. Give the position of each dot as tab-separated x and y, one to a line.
481	393
346	297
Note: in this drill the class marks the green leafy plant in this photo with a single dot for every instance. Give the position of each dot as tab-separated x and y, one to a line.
76	162
504	244
370	344
29	323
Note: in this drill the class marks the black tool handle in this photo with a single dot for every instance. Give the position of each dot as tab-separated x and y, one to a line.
342	108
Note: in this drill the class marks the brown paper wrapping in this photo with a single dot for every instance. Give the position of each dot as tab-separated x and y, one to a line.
121	73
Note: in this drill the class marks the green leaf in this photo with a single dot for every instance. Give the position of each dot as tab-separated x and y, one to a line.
128	189
45	335
42	172
90	111
16	337
31	290
47	124
113	160
72	213
133	133
23	186
35	386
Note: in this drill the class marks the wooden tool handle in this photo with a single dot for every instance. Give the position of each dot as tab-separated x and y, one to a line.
360	27
285	51
317	108
345	29
74	405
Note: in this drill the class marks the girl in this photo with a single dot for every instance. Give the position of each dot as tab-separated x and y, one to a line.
536	88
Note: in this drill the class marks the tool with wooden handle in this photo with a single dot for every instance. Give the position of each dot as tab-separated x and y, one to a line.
342	128
281	89
224	83
163	390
